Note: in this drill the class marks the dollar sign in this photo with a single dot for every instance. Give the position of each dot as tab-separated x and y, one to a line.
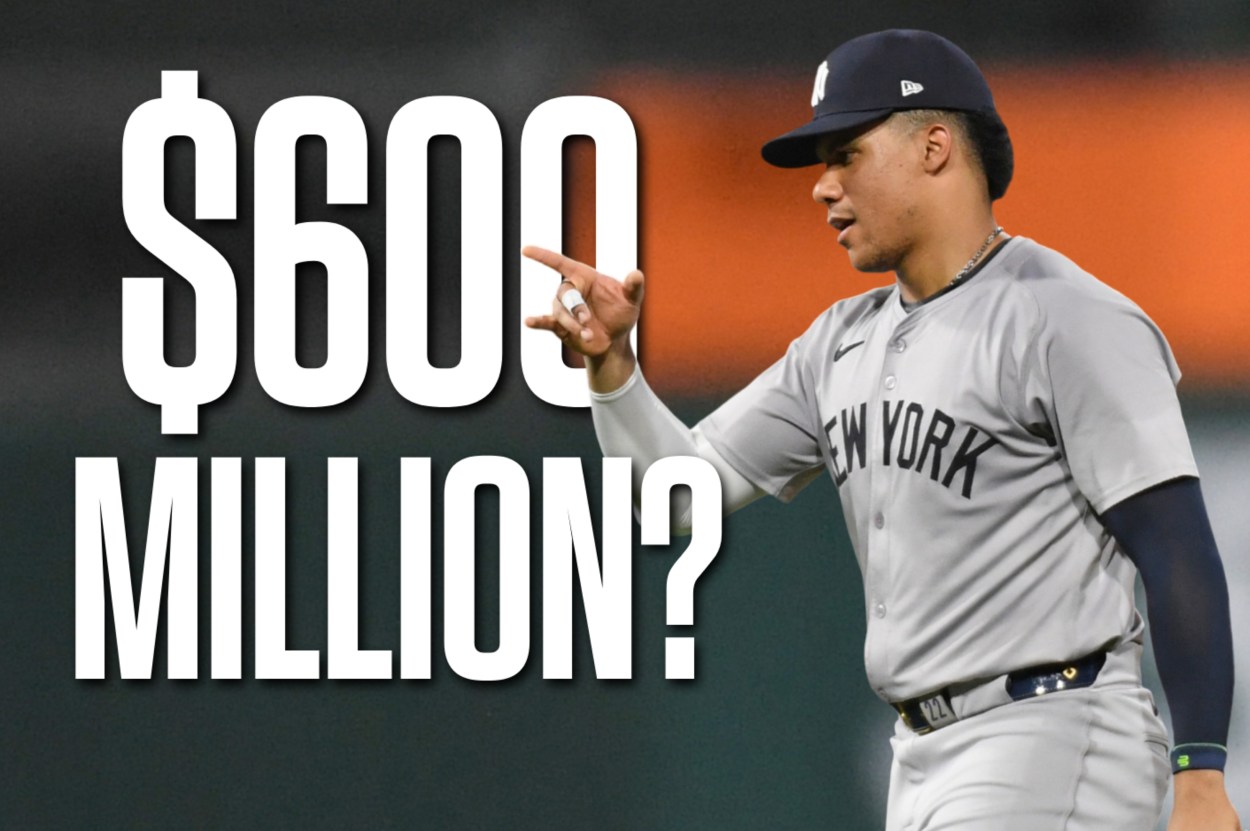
179	390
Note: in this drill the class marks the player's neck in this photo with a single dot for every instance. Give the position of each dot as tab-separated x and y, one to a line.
934	261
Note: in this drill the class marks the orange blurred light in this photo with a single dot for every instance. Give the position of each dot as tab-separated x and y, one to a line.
1133	171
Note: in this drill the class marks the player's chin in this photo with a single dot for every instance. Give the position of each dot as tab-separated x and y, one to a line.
867	260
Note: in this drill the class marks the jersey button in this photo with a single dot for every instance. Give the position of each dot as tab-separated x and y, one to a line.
879	520
890	382
899	345
879	610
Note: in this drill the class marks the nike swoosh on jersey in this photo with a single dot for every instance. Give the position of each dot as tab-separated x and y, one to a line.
842	350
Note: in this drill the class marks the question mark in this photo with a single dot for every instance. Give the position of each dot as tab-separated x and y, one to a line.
705	535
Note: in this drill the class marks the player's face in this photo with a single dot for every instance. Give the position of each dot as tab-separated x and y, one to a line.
868	189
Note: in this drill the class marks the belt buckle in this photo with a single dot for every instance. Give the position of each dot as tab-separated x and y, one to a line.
902	714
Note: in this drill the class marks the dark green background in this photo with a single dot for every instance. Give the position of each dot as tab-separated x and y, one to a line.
779	731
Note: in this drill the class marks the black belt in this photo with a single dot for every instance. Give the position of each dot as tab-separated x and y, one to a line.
927	713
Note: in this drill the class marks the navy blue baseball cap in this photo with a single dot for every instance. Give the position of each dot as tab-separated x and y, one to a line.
871	76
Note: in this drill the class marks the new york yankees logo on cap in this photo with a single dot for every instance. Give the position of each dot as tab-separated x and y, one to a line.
818	91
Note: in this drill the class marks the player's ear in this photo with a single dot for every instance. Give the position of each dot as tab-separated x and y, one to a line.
938	144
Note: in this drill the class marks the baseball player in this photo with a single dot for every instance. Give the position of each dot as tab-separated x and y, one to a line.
1004	435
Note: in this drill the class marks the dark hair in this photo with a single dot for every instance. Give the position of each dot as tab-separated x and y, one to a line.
986	136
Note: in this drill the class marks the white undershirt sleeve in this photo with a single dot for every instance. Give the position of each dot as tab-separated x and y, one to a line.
633	422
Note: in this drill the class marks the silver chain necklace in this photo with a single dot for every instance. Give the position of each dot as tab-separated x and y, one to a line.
966	270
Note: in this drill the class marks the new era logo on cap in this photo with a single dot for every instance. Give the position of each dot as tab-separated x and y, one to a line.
910	88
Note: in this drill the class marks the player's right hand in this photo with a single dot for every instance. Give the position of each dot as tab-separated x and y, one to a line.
611	309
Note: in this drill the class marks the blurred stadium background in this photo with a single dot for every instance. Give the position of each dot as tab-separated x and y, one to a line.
1127	120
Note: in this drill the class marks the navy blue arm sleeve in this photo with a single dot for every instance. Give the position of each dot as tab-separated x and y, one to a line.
1166	533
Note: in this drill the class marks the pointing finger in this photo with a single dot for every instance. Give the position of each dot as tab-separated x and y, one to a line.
578	273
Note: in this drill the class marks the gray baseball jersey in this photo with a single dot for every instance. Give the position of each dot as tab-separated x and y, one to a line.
971	441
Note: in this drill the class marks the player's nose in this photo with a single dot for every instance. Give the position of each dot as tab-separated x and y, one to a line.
828	187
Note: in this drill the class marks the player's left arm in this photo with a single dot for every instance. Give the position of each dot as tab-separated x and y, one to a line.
1107	382
1165	531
